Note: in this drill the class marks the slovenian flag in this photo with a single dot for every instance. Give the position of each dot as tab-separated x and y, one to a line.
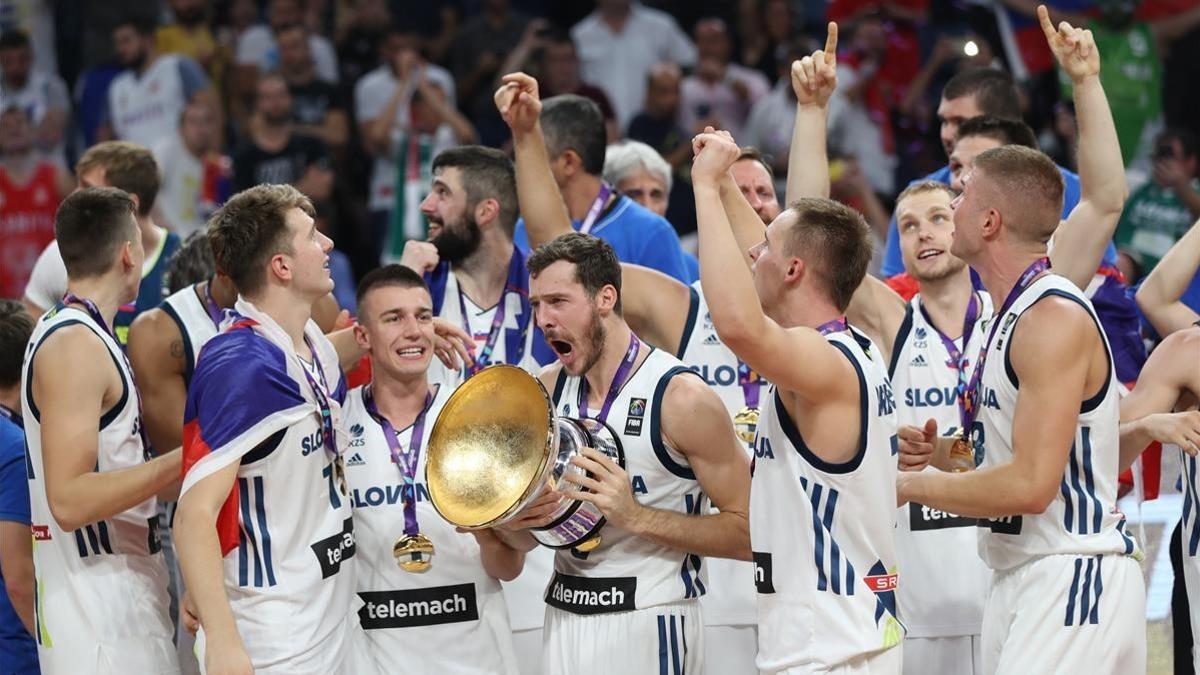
246	388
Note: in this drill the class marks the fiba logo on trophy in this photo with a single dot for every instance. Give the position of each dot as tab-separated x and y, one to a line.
497	446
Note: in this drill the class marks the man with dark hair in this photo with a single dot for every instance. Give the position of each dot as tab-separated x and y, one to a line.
264	441
983	133
391	419
1161	211
18	651
131	168
1046	399
102	603
575	143
317	106
678	444
145	101
477	277
41	94
275	152
972	93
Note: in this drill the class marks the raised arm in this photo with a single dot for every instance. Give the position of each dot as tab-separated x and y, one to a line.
655	305
542	205
814	78
878	311
1082	238
158	359
1159	296
1146	413
72	373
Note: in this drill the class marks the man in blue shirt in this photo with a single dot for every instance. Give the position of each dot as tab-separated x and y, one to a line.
575	142
18	651
972	93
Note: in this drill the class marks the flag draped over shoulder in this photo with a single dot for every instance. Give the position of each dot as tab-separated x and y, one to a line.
248	385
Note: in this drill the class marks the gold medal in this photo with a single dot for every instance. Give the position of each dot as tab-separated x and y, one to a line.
745	423
413	552
962	455
588	545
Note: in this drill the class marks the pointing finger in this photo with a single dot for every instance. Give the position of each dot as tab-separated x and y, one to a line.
831	41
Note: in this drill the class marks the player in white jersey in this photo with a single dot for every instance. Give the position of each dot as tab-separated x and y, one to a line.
263	528
631	605
442	613
1044	397
102	602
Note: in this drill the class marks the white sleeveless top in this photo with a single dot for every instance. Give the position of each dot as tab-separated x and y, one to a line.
188	311
107	580
412	621
628	572
480	322
945	582
824	534
1083	518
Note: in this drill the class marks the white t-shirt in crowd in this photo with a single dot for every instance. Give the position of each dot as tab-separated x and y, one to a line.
182	177
700	100
146	108
257	47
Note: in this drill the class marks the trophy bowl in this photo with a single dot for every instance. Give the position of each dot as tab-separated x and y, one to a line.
497	446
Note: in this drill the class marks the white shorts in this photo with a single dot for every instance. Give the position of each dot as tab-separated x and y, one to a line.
730	650
1066	614
959	654
146	654
663	640
879	663
528	646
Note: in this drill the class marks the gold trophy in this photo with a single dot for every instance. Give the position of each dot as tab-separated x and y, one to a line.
497	446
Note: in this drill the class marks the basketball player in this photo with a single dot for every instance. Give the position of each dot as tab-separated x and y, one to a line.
647	575
390	420
263	527
131	168
102	602
815	612
476	275
1067	580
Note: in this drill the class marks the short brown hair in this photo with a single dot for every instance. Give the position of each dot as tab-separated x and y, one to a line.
1003	131
752	153
922	187
128	166
388	276
250	229
16	326
1027	186
90	225
596	263
834	241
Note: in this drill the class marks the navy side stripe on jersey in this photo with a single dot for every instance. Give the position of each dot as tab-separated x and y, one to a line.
255	540
829	577
92	539
1083	513
1086	587
1191	506
690	569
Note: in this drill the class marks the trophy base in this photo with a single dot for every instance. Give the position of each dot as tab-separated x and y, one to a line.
577	523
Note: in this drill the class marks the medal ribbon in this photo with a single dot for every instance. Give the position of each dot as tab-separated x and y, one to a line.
618	381
750	383
593	213
406	460
833	326
318	389
484	358
957	360
214	310
94	312
971	396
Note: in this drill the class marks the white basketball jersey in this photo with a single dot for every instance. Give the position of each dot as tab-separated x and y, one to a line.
628	572
188	310
146	109
1083	518
824	534
480	322
105	583
945	582
413	621
730	600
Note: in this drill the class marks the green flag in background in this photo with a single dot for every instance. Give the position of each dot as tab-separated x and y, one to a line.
413	176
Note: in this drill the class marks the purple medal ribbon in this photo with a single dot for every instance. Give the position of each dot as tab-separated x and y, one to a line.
12	416
407	461
94	312
597	207
750	383
319	389
957	360
214	310
970	399
618	381
484	359
833	326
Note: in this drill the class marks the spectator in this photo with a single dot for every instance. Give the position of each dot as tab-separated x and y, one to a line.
146	100
383	105
575	145
556	64
1161	211
719	94
765	32
275	153
478	50
360	30
317	109
18	651
42	94
640	173
31	186
756	180
191	36
658	123
196	177
618	45
770	125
